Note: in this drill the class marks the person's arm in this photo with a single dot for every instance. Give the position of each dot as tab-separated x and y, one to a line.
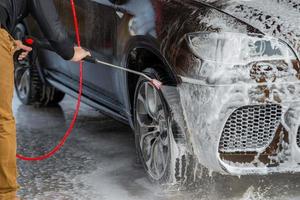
46	15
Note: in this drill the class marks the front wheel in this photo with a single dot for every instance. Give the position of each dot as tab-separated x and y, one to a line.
164	158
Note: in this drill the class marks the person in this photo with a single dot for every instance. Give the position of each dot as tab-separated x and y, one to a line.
11	13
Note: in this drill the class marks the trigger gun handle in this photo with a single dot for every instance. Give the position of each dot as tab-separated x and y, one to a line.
26	41
35	44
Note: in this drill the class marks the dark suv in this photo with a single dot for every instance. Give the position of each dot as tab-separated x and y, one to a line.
230	70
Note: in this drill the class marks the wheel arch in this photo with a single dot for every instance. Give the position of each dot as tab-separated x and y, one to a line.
141	54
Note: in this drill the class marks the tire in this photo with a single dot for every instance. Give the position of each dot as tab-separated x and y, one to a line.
158	133
28	84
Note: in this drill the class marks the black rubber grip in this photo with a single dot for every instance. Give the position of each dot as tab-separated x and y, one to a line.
90	59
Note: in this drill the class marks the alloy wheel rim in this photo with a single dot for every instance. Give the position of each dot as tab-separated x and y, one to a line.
154	140
23	82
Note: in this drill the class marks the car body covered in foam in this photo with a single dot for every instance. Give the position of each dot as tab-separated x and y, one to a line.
240	100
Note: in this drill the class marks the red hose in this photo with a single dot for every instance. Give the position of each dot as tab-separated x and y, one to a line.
69	131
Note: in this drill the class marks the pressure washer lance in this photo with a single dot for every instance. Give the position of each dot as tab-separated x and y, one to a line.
34	43
156	83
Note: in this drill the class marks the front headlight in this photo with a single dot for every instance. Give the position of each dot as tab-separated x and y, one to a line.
241	57
238	49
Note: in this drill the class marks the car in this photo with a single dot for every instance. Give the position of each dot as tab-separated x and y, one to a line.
230	72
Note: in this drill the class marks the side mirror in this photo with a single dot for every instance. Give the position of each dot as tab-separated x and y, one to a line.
118	2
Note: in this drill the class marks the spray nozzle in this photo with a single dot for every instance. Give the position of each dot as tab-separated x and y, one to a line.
156	83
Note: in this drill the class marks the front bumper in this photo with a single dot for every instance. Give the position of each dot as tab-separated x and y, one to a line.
207	108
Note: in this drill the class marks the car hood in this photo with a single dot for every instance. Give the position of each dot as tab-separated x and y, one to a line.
277	18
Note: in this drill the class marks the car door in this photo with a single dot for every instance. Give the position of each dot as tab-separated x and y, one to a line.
97	24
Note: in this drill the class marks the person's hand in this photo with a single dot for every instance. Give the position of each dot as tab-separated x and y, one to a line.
80	54
24	48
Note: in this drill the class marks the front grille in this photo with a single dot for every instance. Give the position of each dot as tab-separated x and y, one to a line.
250	128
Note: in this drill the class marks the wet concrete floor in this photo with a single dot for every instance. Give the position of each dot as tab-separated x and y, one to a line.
98	163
